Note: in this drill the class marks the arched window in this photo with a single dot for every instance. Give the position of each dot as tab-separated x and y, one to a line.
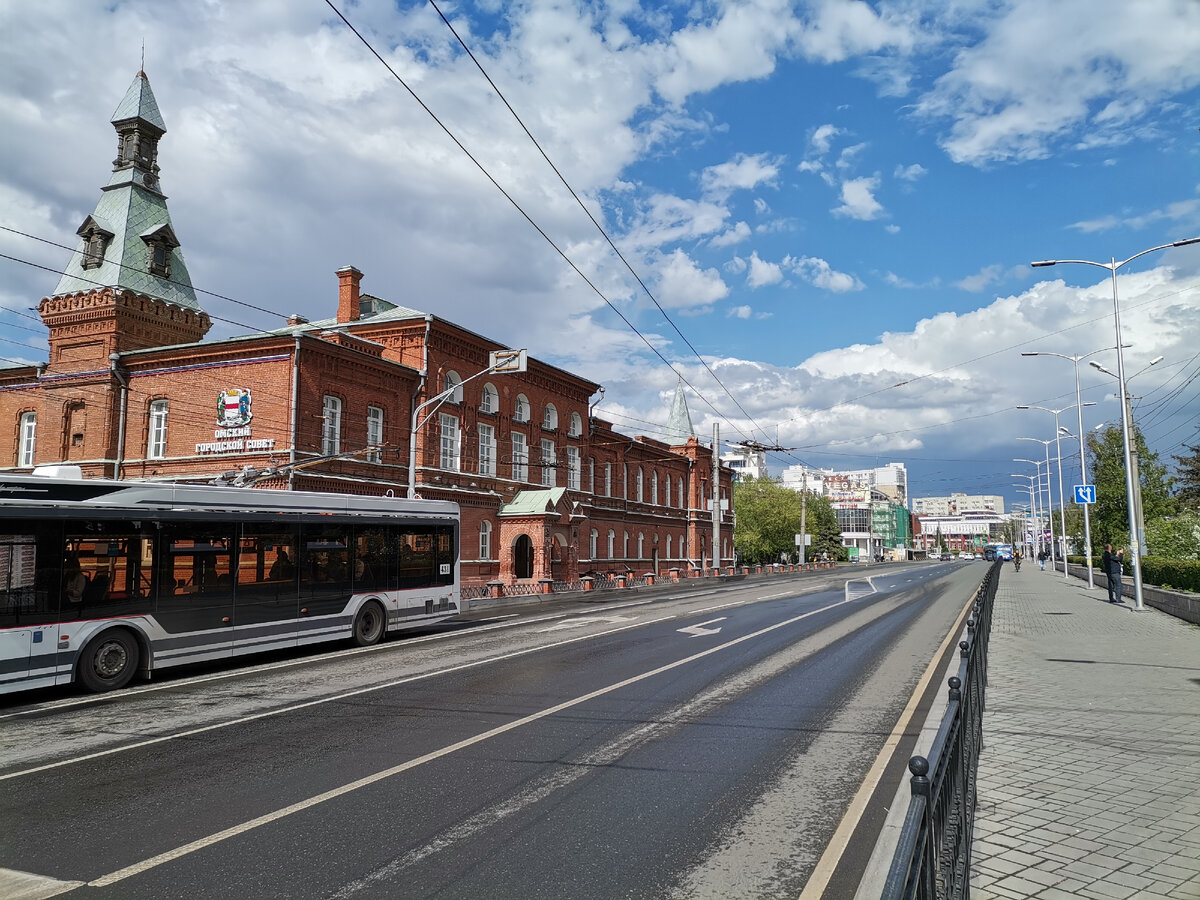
591	474
667	491
608	479
625	544
490	401
612	539
452	381
550	418
485	540
669	554
682	496
641	546
521	409
595	543
156	444
638	495
576	425
654	487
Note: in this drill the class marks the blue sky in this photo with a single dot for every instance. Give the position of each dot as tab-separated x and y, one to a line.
827	199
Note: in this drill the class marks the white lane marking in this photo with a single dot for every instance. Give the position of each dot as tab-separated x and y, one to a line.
814	889
858	593
251	824
408	679
18	885
584	621
55	705
699	630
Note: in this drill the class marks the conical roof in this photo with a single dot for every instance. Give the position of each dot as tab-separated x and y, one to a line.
131	216
679	422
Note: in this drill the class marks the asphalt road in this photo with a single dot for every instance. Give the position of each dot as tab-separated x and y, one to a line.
679	744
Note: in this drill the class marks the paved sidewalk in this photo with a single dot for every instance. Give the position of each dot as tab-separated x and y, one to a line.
1089	781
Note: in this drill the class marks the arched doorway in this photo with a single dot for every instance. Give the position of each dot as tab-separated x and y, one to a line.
523	557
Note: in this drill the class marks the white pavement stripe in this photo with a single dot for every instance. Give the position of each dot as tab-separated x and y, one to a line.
17	885
242	828
311	703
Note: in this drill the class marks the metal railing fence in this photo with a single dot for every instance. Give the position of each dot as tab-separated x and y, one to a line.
933	857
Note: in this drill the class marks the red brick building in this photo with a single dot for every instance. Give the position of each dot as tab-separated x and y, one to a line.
130	390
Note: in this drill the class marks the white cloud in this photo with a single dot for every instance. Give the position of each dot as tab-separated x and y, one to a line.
1022	88
822	138
820	274
858	199
762	272
735	235
910	173
892	229
739	312
743	172
1174	212
981	279
684	285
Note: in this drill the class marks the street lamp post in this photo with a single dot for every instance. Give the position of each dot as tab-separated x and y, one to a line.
1035	497
1049	507
1062	504
1087	513
506	361
1112	265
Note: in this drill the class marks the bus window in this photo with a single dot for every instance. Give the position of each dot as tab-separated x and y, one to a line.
195	577
31	559
373	555
325	573
107	570
267	587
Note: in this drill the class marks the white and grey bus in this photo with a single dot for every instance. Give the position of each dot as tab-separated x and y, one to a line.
101	580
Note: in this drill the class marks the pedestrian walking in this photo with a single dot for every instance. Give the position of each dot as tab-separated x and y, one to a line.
1042	557
1113	565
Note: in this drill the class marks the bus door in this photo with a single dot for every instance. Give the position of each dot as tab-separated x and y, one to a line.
196	591
267	600
326	581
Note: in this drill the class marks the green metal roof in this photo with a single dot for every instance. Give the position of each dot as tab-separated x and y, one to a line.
533	503
139	103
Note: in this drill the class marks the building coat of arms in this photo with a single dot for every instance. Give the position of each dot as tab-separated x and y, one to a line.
233	408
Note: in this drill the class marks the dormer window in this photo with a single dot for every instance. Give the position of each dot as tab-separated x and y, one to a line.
95	242
160	241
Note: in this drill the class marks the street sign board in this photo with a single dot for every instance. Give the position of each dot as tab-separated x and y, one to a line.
1085	493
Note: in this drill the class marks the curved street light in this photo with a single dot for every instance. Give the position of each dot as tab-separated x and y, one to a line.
1062	503
1049	493
1083	475
1112	265
1038	509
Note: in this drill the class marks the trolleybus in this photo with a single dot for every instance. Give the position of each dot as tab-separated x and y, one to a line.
101	580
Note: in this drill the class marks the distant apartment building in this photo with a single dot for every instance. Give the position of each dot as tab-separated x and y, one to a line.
871	505
956	504
958	522
746	463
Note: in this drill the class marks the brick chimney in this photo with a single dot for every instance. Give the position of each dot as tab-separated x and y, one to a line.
348	279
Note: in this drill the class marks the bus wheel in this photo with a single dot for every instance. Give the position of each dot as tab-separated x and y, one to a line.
369	624
108	661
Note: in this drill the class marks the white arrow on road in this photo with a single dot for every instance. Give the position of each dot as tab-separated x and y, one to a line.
697	630
583	621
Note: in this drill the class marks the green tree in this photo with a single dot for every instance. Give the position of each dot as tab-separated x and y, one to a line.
1176	537
768	520
1110	524
1187	478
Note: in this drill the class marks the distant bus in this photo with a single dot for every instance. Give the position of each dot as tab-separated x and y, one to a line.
998	551
101	580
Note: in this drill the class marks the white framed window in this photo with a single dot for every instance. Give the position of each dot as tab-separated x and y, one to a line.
331	425
591	474
573	468
27	440
452	381
682	496
641	546
548	460
449	456
667	491
521	409
490	401
156	443
550	417
487	449
639	481
654	488
374	433
625	545
608	479
520	457
625	481
485	540
669	554
612	541
576	428
594	543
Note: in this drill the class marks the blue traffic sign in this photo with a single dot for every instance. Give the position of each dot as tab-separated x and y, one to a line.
1085	493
